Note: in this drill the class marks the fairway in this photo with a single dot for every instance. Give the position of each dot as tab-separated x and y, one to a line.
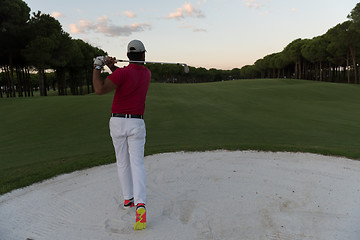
44	137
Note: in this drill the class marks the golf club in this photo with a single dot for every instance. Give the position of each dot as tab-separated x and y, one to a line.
186	68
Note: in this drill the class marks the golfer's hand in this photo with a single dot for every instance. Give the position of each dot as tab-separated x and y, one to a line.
110	62
99	61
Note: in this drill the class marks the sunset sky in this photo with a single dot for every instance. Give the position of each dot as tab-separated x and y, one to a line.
221	34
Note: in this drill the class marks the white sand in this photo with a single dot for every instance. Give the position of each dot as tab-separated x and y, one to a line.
210	195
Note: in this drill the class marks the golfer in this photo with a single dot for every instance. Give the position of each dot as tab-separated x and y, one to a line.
127	127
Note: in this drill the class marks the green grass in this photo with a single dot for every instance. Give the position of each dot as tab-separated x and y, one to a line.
256	114
43	137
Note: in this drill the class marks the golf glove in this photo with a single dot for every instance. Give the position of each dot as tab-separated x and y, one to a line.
99	61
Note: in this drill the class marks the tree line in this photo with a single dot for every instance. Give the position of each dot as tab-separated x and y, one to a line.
38	44
333	56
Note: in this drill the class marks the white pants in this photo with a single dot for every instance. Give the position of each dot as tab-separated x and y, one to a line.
128	135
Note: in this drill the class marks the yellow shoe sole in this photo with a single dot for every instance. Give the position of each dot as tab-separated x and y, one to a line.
139	226
140	219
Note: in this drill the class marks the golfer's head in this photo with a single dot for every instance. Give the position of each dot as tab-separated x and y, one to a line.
136	50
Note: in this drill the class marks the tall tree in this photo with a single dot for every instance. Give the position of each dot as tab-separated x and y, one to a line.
260	66
75	68
46	34
281	63
354	16
315	51
269	64
60	60
293	53
89	53
338	49
14	14
344	35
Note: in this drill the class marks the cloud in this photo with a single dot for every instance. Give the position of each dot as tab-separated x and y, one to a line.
253	4
129	14
199	30
183	25
187	10
57	15
82	26
103	25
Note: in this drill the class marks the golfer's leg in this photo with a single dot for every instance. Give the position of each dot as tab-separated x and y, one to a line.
122	158
136	149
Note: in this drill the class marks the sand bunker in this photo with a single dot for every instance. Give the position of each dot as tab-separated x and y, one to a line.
209	195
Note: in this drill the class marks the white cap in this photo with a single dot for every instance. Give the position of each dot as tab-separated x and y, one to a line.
135	46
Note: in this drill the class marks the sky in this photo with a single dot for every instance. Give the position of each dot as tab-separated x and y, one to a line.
221	34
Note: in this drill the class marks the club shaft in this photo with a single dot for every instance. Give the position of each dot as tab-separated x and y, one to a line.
131	61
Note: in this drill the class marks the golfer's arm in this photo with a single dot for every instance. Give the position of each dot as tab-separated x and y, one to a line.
102	87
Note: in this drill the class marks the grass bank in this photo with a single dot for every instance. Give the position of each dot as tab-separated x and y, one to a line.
44	137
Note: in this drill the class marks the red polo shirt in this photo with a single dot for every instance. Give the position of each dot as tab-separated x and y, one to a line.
132	84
